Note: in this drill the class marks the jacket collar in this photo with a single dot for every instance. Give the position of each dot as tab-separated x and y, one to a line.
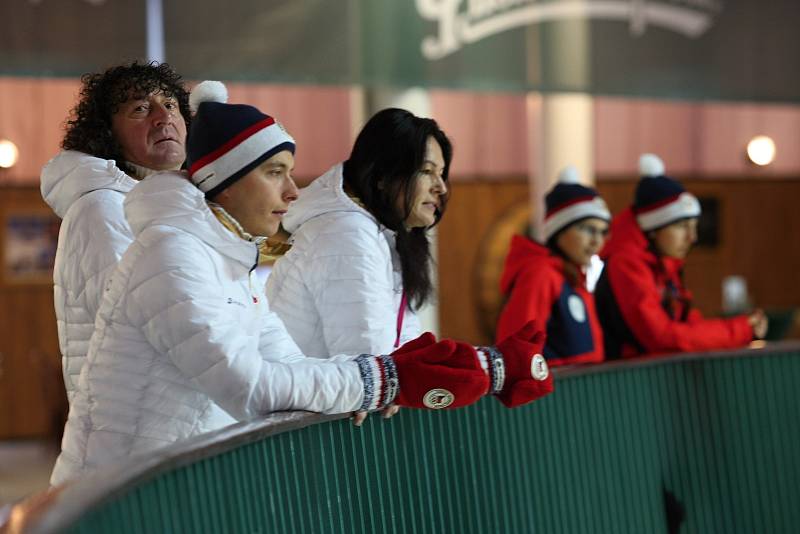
170	199
324	195
523	252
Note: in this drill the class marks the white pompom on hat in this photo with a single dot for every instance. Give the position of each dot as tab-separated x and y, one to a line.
650	165
207	91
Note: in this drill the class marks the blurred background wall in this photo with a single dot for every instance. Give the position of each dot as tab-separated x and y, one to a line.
521	87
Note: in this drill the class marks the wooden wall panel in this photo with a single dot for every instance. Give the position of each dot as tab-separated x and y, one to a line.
472	211
32	398
758	239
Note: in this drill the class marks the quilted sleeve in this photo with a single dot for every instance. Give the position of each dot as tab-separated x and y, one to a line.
351	282
185	319
92	239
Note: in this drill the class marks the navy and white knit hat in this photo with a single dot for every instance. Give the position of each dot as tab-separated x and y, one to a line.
570	201
661	200
226	141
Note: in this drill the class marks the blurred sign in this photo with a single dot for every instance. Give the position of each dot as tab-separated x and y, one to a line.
698	49
461	23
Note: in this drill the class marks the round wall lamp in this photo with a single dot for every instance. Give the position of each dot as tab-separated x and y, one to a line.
9	154
761	150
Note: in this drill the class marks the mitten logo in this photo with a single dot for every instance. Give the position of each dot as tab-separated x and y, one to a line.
438	398
539	369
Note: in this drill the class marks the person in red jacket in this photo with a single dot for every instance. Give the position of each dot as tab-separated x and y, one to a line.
547	283
643	304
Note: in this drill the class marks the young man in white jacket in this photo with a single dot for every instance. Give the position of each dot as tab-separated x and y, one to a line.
184	341
130	122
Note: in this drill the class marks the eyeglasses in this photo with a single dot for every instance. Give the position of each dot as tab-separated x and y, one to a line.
592	231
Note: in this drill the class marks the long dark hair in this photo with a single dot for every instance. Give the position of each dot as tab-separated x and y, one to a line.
89	127
383	166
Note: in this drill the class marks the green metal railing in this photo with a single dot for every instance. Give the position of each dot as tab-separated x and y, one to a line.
715	434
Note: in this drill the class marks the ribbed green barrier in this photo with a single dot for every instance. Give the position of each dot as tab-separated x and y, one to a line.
720	435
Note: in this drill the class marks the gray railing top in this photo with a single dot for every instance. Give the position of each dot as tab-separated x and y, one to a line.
59	508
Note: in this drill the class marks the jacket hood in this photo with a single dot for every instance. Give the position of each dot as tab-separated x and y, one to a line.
170	199
521	255
72	174
628	238
625	235
323	195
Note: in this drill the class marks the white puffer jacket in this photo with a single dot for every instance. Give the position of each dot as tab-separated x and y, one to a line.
87	193
338	289
184	341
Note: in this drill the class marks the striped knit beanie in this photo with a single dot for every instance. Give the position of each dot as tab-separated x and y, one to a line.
569	201
661	200
226	141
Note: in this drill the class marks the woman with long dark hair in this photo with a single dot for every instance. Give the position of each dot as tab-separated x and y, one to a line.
360	263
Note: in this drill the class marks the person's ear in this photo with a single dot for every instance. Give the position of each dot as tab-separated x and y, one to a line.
222	198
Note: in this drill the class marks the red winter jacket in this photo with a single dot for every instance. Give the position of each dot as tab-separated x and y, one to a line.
537	289
644	307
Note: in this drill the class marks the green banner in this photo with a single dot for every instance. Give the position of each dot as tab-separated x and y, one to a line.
69	37
686	49
731	49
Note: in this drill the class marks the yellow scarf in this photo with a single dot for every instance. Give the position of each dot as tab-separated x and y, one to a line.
269	250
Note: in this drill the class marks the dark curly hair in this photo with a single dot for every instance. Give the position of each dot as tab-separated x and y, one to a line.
383	166
89	127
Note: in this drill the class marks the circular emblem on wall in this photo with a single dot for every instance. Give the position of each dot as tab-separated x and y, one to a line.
539	369
576	308
438	398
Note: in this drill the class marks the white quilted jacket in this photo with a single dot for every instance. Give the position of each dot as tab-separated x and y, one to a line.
87	193
338	289
184	341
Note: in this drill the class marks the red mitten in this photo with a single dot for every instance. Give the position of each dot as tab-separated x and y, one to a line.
527	376
425	340
424	374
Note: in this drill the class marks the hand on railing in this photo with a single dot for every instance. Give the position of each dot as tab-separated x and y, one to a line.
424	373
386	413
518	371
758	321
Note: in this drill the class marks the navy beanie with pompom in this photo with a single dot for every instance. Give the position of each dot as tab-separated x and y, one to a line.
661	200
569	201
226	141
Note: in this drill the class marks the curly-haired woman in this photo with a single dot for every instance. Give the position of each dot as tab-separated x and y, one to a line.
130	121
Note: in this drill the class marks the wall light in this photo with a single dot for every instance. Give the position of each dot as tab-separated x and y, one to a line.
9	154
761	150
